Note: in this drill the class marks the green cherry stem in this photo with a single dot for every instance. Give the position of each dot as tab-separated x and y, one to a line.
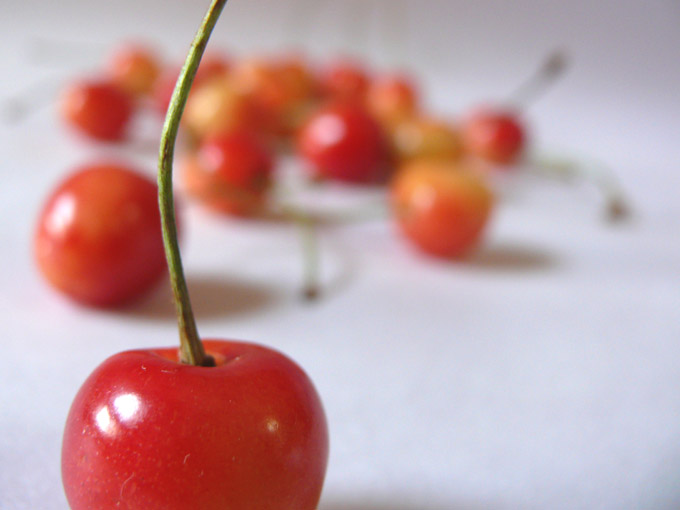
191	348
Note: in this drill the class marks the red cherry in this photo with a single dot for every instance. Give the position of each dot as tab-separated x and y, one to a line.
441	207
345	80
134	69
494	136
148	433
98	238
230	173
98	109
342	141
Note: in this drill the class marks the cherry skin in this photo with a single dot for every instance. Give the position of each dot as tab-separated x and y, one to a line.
283	88
425	137
146	432
134	69
99	239
230	173
392	98
98	109
342	141
494	136
441	207
344	79
218	106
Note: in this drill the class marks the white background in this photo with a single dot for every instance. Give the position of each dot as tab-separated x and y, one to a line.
542	373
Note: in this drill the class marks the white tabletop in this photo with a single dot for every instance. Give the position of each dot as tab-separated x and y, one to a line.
542	374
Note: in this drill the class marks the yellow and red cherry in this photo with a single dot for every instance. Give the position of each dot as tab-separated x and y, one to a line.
218	106
344	79
392	98
97	109
342	141
98	238
441	207
495	136
135	69
230	173
422	137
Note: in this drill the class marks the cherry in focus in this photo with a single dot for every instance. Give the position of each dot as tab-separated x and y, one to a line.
97	108
99	239
441	207
146	432
495	136
230	173
342	141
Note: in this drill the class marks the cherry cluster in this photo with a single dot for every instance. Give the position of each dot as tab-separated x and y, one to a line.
97	238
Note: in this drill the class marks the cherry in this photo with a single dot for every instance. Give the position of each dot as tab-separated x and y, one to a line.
425	137
342	141
230	173
498	135
441	207
218	106
134	68
225	425
345	79
392	98
495	136
98	238
97	108
148	432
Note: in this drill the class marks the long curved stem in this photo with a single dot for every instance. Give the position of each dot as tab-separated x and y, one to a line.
191	348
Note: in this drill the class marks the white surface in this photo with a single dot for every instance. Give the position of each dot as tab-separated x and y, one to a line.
541	374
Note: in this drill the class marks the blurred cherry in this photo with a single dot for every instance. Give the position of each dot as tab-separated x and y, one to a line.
342	141
97	108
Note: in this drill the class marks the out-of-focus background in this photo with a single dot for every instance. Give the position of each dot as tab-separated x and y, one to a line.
542	373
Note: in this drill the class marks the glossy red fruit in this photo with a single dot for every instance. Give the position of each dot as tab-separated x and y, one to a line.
342	141
441	207
97	108
496	137
230	173
148	433
98	238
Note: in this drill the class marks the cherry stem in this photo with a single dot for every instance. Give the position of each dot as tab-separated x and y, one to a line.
617	207
191	348
310	256
539	82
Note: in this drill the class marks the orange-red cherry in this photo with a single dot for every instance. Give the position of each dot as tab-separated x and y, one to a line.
98	238
97	108
230	173
441	207
134	68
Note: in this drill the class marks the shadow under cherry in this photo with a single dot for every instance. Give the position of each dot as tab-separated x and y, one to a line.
212	297
512	257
